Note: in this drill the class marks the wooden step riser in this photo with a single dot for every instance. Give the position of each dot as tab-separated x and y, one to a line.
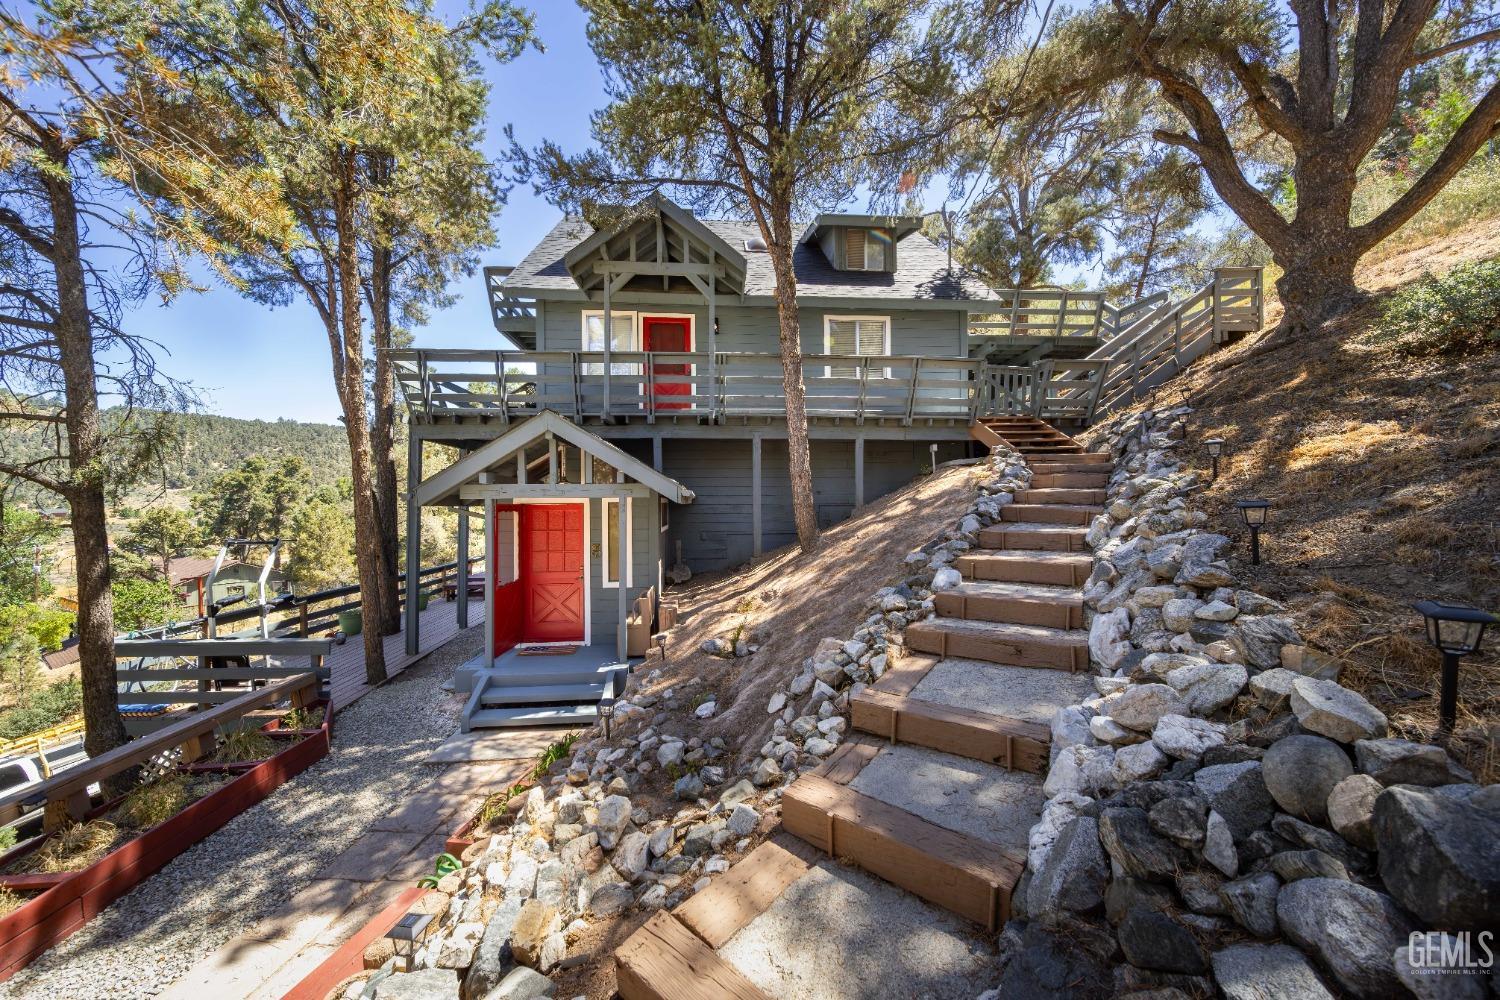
1070	480
1019	571
925	638
1061	540
1044	514
1061	495
1093	460
1012	610
963	732
931	862
664	960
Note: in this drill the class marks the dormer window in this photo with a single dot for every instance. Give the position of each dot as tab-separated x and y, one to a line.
866	249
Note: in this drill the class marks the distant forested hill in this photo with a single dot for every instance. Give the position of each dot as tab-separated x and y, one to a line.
212	444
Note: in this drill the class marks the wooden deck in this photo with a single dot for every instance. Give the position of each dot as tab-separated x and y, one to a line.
346	664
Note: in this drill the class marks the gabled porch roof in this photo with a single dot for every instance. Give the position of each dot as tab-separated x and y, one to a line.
657	242
461	480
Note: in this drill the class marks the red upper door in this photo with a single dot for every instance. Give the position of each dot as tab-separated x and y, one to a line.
668	333
552	575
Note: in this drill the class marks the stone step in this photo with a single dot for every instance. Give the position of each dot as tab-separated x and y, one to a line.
957	871
1087	458
1051	513
1070	480
1047	537
787	922
1019	603
1011	644
1055	495
991	737
531	715
1024	695
1016	566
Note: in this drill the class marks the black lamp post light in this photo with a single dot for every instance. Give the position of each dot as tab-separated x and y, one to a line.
1254	512
1456	630
606	712
1215	448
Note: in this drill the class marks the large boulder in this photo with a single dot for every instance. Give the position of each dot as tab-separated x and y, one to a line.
1260	638
1142	707
1351	809
424	984
1070	962
1185	737
1267	972
1251	901
1238	793
1154	939
1207	687
1437	966
1401	762
1073	875
493	956
1199	567
1329	709
1300	772
1109	638
1352	931
1440	854
1127	835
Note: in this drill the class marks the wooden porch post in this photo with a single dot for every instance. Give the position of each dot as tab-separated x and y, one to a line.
755	495
413	543
490	582
713	343
609	330
621	594
463	566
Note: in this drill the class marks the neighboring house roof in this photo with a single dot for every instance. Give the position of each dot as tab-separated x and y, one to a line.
62	657
921	275
190	568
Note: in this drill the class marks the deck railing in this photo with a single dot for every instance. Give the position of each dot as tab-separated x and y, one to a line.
660	385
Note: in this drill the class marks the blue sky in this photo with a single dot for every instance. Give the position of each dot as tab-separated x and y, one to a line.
248	360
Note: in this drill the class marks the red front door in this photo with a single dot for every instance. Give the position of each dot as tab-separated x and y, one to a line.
552	572
668	333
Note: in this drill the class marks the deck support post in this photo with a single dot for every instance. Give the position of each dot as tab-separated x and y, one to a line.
656	453
755	495
713	343
609	330
623	572
462	594
413	544
490	583
859	471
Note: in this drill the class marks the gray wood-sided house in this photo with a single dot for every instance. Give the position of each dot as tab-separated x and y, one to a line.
639	420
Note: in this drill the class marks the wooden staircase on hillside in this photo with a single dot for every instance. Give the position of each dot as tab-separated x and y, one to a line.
979	683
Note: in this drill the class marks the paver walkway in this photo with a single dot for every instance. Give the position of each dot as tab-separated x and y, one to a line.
939	805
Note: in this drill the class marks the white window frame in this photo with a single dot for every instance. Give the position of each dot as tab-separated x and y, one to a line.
605	514
829	320
597	368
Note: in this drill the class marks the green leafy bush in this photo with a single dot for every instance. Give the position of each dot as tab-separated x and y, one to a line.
1458	313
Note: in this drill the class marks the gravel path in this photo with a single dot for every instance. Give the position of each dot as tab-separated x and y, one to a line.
244	872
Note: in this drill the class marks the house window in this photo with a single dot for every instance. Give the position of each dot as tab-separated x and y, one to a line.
866	249
863	336
611	535
623	338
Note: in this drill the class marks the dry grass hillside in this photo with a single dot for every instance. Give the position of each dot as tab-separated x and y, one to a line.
1384	473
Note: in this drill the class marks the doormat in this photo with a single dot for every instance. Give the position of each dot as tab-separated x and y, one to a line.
545	650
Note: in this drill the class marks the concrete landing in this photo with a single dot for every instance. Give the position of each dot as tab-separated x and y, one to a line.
1021	693
962	795
839	934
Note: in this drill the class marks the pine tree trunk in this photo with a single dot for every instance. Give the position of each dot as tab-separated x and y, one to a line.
383	445
349	371
103	728
799	454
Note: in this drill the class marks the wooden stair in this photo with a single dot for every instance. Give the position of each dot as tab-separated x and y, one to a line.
1019	607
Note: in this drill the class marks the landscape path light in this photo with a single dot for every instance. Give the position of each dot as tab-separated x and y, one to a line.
606	712
1456	631
1215	448
1254	512
405	935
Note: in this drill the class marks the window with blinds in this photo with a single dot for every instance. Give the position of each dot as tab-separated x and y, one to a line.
623	339
864	336
865	249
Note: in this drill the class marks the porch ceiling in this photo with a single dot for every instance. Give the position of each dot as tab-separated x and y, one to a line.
460	481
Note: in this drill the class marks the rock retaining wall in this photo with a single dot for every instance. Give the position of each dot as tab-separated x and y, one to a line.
1224	817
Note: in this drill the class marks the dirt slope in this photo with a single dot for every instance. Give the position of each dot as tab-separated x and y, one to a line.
1384	473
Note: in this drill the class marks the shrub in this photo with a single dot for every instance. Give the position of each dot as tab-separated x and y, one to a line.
1458	313
76	847
155	803
244	745
57	702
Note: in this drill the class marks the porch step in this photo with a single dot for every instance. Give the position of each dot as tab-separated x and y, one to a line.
1014	566
554	715
1048	537
1070	480
1017	603
1010	644
1054	495
1050	513
514	675
543	694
